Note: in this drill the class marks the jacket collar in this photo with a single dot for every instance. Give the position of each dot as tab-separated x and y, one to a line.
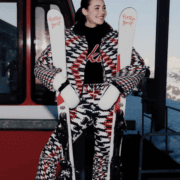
78	27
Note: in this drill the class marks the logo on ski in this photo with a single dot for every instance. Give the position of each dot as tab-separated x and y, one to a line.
127	20
55	19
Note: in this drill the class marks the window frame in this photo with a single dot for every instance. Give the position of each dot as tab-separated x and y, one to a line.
21	36
66	7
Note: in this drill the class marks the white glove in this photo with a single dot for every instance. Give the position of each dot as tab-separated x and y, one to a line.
58	81
109	98
70	97
68	93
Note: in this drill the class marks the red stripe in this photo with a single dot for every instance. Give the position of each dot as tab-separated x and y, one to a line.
45	78
71	11
73	114
108	124
116	107
60	100
130	85
46	164
75	70
114	41
28	100
72	40
109	62
118	63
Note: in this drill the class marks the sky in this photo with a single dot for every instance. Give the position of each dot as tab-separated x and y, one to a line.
144	41
8	13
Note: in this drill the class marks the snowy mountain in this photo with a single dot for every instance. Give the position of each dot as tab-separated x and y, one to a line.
173	86
173	79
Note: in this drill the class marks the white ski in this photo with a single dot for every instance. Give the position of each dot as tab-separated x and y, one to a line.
57	39
127	25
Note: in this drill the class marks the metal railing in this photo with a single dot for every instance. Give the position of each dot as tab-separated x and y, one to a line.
141	171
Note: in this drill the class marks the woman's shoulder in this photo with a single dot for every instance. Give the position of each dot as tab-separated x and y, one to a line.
70	29
75	30
109	31
112	35
115	33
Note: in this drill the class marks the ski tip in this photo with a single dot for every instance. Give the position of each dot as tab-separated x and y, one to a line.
128	13
129	10
54	17
53	12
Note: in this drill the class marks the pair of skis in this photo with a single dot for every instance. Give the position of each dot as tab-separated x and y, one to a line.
127	24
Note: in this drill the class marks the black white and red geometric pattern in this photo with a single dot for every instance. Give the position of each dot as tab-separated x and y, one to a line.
76	58
44	69
49	158
87	113
76	52
129	77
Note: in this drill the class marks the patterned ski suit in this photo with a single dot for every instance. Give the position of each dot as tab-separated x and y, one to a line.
87	112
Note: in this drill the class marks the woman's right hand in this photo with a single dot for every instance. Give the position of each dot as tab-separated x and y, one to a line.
70	97
68	94
58	81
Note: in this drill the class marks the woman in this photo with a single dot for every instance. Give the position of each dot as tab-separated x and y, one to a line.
91	54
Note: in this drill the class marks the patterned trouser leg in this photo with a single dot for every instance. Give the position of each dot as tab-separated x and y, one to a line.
102	136
87	113
52	152
102	122
49	159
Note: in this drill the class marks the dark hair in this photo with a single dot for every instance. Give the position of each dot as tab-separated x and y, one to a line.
79	15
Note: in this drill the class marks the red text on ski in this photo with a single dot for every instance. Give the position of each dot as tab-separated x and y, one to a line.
56	18
94	57
127	20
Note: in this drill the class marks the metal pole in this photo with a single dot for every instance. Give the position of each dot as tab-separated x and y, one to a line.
162	28
140	158
166	130
142	117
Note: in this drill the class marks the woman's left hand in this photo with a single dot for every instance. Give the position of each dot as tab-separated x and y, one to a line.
109	98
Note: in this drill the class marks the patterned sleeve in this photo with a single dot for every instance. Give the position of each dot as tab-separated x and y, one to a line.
44	69
130	76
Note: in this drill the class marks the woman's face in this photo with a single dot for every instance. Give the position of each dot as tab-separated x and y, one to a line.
95	14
